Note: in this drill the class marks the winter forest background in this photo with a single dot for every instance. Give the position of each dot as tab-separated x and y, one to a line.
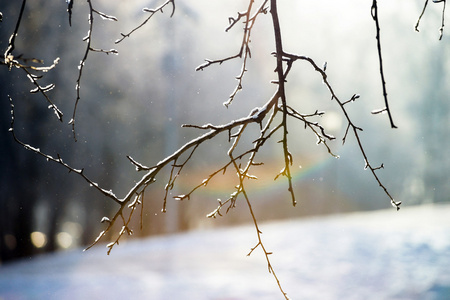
133	110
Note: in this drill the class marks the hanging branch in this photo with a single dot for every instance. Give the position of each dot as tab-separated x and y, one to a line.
8	53
243	174
58	160
420	17
374	12
244	51
441	30
11	61
286	171
350	125
88	40
69	10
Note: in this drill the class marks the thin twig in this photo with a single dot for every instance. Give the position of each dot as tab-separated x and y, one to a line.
351	125
441	30
88	40
374	11
59	160
152	11
12	39
421	15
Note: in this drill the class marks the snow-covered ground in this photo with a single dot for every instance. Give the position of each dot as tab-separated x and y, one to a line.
374	255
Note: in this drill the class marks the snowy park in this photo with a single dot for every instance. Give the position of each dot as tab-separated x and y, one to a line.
369	255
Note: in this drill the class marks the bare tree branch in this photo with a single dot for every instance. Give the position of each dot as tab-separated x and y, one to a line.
374	11
152	11
245	45
88	40
351	125
441	29
267	117
12	39
281	80
59	160
421	15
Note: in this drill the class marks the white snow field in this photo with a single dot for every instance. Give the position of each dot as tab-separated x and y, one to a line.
372	255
